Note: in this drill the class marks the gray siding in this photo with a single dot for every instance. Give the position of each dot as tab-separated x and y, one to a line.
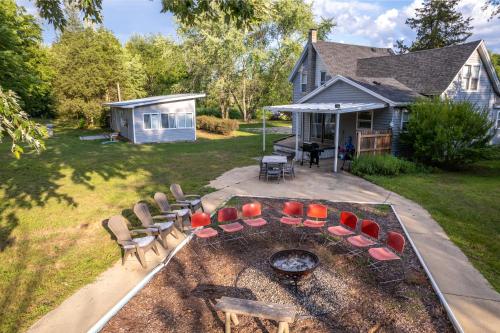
382	119
121	121
341	92
164	135
483	97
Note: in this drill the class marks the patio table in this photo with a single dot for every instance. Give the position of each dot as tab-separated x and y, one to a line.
275	159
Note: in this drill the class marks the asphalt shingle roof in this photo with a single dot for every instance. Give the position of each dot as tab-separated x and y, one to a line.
400	78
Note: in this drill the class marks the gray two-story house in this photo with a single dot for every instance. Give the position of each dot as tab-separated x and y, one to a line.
344	93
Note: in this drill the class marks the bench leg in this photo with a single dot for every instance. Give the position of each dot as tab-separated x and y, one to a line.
234	319
281	327
228	323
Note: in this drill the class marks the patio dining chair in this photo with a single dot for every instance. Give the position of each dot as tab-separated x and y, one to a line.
293	212
316	220
193	200
252	216
274	170
161	229
200	223
392	252
289	168
368	236
347	227
228	222
138	246
262	169
180	213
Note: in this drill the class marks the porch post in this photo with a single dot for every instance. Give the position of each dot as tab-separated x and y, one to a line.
337	125
297	136
264	132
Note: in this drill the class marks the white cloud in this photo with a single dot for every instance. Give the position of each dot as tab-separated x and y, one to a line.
381	26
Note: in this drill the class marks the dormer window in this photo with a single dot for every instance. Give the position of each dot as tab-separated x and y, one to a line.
470	77
303	79
322	78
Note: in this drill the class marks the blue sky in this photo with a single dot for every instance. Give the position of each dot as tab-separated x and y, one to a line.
376	23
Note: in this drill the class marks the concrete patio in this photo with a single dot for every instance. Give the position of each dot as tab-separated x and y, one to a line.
475	304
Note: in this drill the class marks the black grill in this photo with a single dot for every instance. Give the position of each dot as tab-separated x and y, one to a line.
314	152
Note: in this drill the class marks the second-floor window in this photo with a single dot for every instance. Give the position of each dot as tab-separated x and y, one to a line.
498	120
303	80
322	78
470	77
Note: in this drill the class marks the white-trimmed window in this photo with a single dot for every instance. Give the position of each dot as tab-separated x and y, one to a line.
498	120
470	77
364	120
322	77
405	117
168	120
303	79
184	120
151	121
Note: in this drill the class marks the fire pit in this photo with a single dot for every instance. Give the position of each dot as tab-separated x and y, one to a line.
294	264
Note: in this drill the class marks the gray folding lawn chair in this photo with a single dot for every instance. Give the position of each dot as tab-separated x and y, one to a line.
193	200
161	229
138	246
180	213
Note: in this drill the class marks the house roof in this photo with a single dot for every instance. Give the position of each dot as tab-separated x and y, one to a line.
427	72
130	104
341	59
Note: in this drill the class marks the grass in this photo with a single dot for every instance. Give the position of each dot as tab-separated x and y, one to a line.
466	204
269	123
52	206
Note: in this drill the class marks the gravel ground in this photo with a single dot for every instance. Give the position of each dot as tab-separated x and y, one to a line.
342	295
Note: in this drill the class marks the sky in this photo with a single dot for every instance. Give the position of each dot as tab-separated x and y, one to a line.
374	23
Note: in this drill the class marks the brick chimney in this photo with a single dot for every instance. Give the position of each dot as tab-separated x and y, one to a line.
311	60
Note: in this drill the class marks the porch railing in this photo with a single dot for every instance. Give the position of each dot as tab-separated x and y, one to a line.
373	142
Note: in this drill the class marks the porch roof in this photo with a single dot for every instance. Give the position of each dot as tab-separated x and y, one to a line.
326	107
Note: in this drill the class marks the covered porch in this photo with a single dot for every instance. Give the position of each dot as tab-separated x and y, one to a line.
335	125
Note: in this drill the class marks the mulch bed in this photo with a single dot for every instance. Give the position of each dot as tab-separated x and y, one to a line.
342	295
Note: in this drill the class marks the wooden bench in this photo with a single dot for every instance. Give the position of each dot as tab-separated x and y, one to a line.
283	314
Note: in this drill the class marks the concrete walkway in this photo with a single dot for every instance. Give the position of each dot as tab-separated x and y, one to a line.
472	299
475	304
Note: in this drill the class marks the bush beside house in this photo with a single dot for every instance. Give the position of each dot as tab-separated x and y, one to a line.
216	125
385	165
447	134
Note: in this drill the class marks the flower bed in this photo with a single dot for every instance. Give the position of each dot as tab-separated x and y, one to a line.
342	295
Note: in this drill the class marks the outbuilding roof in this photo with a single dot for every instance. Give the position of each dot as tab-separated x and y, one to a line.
132	103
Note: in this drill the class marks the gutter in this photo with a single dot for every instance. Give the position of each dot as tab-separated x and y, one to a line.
435	286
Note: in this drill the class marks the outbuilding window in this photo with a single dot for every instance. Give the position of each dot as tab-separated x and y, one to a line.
168	120
470	77
151	121
364	120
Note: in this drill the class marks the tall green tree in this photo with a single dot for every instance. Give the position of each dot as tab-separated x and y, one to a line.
163	62
495	7
23	59
247	68
438	23
90	66
495	59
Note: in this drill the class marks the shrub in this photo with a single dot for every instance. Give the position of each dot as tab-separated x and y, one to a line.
213	111
384	165
447	134
216	125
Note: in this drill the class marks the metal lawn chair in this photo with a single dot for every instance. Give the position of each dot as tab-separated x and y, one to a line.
346	228
228	223
180	213
293	212
252	216
200	223
138	246
392	252
162	229
369	233
289	169
316	220
274	170
193	200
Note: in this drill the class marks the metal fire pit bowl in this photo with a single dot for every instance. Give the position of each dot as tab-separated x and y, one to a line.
294	264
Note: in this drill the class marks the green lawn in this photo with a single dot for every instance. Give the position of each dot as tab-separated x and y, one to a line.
269	123
52	206
466	204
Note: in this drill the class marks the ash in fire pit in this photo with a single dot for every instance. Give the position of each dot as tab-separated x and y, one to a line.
294	264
